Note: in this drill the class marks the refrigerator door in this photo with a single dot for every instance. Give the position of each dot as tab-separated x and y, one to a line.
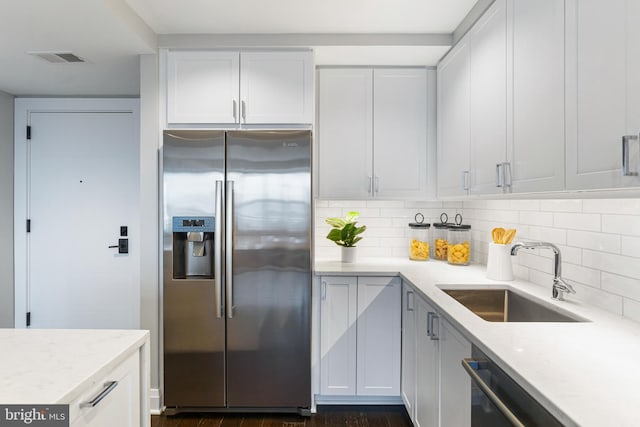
269	280
194	323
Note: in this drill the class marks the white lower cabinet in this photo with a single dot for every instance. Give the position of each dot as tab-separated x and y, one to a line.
435	388
360	336
115	400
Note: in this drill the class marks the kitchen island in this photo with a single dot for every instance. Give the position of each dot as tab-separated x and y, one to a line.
75	367
584	373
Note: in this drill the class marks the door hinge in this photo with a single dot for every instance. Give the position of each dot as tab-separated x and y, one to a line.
28	318
28	226
28	132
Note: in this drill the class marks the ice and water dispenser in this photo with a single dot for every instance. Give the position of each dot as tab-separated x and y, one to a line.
193	249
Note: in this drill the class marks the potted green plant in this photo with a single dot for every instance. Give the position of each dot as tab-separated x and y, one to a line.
346	233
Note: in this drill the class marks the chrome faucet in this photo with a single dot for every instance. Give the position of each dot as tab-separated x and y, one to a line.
559	284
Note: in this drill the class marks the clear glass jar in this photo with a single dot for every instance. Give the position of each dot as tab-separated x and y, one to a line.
439	247
419	239
459	242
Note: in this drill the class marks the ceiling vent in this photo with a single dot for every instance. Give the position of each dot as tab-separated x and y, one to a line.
58	57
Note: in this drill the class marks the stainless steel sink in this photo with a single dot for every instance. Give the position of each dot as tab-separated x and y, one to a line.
504	305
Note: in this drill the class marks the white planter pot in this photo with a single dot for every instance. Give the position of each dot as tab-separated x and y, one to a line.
348	254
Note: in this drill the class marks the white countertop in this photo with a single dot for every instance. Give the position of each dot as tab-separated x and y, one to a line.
49	366
585	373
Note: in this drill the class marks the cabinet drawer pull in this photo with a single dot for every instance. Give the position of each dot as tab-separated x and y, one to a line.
498	175
625	154
465	180
410	301
108	387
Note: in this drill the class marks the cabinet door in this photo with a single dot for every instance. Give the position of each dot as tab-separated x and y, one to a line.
453	122
379	339
338	315
120	405
400	123
202	87
345	133
408	385
603	81
536	152
488	98
276	87
455	385
427	369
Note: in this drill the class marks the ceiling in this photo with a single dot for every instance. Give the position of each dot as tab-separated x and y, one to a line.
110	34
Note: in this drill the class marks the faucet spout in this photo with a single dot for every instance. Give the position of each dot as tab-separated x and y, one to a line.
559	284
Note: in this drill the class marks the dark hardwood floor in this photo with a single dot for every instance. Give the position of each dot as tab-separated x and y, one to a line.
327	416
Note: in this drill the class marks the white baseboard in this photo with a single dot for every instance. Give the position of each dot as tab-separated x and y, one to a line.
154	404
358	400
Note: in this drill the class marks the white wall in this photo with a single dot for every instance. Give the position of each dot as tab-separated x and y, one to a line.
599	240
149	226
6	210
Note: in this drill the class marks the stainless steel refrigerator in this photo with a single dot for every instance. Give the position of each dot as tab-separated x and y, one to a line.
236	215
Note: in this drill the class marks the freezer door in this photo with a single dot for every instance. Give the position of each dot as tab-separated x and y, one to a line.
269	279
194	325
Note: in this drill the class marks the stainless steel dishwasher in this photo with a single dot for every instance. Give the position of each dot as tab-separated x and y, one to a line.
497	400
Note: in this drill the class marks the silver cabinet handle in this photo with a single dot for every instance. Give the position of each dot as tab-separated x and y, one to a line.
217	243
506	174
323	290
108	387
410	301
625	154
435	334
229	248
377	186
498	175
430	332
490	394
235	110
243	106
465	180
370	178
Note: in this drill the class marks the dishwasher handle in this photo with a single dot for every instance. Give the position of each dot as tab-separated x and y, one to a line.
490	394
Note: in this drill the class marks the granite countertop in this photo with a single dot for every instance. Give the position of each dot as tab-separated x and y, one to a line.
584	373
52	366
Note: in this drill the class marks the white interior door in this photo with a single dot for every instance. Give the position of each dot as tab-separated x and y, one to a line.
82	176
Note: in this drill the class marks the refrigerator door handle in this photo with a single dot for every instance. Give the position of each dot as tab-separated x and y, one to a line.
217	242
229	248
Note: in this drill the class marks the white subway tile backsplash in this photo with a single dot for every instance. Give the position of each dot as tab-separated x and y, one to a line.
561	205
631	309
612	263
621	224
597	297
350	204
544	219
547	234
576	221
580	274
621	285
596	241
599	239
613	206
630	246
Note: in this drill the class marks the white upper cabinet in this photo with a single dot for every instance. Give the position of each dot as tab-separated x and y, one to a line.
223	87
373	129
488	99
603	84
203	87
276	87
400	123
536	150
501	103
453	122
345	132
